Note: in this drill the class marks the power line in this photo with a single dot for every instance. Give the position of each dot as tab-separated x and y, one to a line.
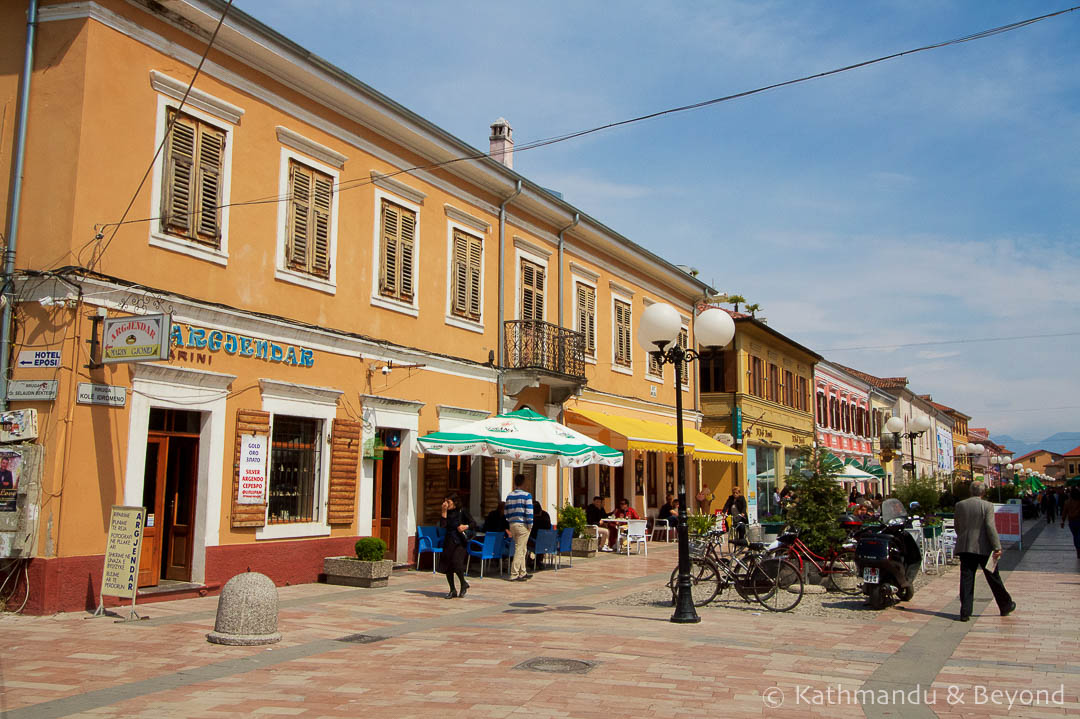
950	342
361	182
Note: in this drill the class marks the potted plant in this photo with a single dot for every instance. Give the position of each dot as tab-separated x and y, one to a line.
367	569
698	524
772	523
574	517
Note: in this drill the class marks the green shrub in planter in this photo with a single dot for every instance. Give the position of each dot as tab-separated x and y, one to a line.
700	523
370	549
571	516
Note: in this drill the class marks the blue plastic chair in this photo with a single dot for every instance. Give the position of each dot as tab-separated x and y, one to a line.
547	544
429	539
566	546
507	553
490	548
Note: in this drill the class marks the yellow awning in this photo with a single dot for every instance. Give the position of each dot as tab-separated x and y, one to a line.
648	436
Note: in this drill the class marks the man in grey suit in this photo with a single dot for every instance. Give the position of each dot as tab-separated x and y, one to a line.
976	540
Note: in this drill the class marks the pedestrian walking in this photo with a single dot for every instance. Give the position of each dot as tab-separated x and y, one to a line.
976	541
1071	513
1049	505
457	522
519	513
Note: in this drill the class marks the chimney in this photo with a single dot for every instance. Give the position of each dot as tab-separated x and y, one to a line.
502	142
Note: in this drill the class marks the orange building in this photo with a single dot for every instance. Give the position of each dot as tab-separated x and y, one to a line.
334	281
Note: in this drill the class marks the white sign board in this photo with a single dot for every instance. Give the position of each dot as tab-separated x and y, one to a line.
121	575
18	425
102	394
252	488
135	339
1008	520
36	358
24	390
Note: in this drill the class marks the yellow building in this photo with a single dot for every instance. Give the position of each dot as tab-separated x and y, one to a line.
757	393
333	282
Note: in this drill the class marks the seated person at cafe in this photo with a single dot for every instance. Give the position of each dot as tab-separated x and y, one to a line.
669	511
864	511
495	521
625	511
594	515
541	520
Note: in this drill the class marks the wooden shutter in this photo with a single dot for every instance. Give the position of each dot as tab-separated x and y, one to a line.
405	276
299	217
249	421
179	175
211	161
321	204
622	333
476	254
460	274
398	238
532	291
684	342
345	440
586	307
436	486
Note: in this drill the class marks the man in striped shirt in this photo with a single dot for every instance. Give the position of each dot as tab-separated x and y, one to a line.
519	513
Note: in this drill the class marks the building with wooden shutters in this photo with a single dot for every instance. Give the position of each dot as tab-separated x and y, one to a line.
333	291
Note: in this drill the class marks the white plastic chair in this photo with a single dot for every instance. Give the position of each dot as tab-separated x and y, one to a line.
637	533
663	528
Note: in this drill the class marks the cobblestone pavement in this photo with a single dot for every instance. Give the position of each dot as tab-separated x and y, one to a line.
428	656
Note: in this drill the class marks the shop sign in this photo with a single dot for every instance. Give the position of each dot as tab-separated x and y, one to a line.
137	338
18	425
1008	522
121	574
199	338
10	470
252	469
24	390
39	358
101	394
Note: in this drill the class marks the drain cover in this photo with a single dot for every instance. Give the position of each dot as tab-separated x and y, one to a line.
557	666
360	638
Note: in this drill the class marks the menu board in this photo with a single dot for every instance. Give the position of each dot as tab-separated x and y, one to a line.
121	575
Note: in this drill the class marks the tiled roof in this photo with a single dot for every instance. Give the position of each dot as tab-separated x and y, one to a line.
882	382
1036	451
1073	452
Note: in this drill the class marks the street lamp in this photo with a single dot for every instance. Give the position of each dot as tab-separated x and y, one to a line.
972	451
916	428
658	334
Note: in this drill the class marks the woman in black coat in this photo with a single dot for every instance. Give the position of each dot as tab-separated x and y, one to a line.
457	521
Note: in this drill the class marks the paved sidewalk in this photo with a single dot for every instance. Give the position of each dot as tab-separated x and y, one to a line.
436	657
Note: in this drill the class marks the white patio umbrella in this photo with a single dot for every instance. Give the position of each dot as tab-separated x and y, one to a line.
522	436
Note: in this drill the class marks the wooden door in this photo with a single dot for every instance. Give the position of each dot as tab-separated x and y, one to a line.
384	520
178	531
153	501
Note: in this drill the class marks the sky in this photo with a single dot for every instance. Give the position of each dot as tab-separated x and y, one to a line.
885	217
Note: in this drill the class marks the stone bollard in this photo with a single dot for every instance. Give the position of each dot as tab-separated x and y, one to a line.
247	612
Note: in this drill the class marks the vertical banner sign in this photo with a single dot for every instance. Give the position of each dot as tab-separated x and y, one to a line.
1009	523
252	469
120	577
751	486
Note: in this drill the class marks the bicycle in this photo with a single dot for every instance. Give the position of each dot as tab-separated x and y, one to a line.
837	567
775	583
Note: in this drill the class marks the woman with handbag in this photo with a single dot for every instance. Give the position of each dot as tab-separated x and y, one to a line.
459	527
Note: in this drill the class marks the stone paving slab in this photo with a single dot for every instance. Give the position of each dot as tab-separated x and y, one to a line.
452	658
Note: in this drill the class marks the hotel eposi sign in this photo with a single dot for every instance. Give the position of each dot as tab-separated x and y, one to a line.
135	339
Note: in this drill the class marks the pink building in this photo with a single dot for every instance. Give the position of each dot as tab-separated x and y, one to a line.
842	412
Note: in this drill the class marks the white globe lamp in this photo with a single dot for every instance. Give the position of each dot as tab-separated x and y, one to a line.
659	327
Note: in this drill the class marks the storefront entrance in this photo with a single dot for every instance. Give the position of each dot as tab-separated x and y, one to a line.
169	484
384	519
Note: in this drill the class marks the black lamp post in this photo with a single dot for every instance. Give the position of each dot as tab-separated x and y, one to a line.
916	428
658	334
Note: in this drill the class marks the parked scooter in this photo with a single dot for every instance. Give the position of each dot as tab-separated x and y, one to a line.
888	560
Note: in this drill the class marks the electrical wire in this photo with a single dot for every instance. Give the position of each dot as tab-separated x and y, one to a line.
950	342
99	248
544	142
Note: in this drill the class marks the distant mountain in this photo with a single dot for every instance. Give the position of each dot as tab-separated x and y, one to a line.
1060	443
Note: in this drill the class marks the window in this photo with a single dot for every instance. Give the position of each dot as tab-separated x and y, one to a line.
684	342
802	398
398	238
822	410
711	371
788	389
654	368
586	316
845	417
307	237
465	277
294	470
532	291
774	383
757	377
192	189
622	333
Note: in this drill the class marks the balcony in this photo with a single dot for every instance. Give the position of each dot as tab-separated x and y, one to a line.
544	347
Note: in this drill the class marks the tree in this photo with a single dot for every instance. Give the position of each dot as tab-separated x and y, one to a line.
736	300
752	309
819	499
921	489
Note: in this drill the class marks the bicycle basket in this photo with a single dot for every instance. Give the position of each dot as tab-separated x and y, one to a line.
698	547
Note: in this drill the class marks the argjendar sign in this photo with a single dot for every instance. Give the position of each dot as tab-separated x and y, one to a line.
217	341
135	339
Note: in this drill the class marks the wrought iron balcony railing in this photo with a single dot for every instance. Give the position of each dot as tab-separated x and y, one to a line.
531	344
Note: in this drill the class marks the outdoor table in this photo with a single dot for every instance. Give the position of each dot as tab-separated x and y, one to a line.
619	523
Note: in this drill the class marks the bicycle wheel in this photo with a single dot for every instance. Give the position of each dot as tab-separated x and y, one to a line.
704	581
789	553
776	584
843	574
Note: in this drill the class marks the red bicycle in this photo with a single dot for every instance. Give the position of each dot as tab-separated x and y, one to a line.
837	567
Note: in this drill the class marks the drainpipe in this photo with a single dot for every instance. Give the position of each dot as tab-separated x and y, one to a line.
562	254
16	196
502	296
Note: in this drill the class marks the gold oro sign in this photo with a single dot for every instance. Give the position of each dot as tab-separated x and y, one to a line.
136	339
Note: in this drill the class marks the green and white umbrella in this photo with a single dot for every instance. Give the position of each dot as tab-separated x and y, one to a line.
522	436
